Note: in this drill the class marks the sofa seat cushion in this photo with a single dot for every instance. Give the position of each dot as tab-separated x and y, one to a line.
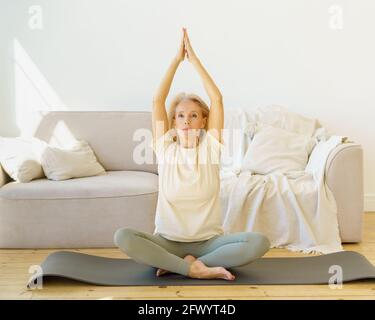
111	184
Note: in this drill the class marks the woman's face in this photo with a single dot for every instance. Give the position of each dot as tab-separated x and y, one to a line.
189	119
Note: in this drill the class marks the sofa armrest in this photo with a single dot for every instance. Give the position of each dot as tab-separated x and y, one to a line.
4	178
344	177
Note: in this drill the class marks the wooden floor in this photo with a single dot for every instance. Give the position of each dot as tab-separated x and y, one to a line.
15	263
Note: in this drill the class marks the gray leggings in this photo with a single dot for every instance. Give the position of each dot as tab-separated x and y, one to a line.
226	251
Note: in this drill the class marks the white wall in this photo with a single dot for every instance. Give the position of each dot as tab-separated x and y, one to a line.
112	54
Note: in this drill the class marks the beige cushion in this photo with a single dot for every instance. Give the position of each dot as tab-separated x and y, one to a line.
275	150
76	161
19	158
109	185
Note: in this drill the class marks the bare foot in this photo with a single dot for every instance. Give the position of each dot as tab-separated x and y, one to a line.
199	270
188	258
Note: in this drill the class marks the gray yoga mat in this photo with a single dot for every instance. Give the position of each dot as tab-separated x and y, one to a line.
126	272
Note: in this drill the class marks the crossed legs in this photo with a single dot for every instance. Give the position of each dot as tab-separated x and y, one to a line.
215	254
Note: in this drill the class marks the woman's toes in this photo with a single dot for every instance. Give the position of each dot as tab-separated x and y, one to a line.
225	274
230	276
161	272
199	270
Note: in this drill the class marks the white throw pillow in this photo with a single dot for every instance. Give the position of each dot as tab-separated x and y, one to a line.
275	150
19	158
76	161
282	117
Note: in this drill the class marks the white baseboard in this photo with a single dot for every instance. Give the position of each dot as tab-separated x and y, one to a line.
369	202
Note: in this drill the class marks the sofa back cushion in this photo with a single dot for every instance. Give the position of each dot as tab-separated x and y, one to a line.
119	139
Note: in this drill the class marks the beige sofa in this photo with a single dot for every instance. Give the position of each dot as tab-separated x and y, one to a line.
86	212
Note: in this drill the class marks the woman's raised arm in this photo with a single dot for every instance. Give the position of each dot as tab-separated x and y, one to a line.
216	116
159	113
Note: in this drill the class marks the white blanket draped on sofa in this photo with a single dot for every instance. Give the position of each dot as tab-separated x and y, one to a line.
295	210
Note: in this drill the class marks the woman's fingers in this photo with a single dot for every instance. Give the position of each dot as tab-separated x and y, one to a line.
187	41
186	48
181	49
184	37
187	36
189	50
184	42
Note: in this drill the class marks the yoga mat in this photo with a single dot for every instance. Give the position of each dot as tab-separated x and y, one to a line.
126	272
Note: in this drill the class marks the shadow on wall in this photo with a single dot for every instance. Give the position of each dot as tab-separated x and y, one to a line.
32	91
8	121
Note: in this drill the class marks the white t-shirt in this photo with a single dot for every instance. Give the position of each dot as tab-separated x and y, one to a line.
188	207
